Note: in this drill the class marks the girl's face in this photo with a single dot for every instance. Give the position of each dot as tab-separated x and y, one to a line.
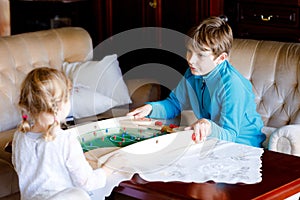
201	63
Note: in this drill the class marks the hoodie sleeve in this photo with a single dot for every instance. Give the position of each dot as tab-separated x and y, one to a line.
177	101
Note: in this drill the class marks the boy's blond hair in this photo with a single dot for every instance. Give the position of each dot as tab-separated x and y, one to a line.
213	34
42	91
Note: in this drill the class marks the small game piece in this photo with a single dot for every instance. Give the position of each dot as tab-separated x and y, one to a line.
173	126
158	123
194	137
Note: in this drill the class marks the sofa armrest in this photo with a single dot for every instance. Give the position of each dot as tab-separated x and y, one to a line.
143	90
5	140
286	140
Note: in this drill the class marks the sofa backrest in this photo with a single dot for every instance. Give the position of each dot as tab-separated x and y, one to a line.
19	54
274	71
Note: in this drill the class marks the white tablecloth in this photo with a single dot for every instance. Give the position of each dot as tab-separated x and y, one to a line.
175	157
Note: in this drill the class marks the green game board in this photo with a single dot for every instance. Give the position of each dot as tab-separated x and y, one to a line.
116	137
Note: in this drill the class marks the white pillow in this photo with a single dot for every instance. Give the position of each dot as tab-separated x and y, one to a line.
100	86
85	102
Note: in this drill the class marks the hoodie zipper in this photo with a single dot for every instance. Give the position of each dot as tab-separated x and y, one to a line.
202	92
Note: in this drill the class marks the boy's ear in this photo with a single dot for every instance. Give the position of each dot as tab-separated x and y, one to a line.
223	56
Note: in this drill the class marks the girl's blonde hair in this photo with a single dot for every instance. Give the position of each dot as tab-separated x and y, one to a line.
212	34
42	91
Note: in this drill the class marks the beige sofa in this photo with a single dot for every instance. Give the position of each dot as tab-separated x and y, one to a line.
272	67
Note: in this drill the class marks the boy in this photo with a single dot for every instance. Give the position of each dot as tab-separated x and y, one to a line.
220	97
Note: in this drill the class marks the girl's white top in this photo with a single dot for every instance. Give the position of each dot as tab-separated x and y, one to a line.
45	168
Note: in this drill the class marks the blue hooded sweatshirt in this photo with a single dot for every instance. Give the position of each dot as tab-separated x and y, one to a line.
224	97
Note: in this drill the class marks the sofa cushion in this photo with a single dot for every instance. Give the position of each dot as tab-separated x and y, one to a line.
273	69
86	102
9	115
98	86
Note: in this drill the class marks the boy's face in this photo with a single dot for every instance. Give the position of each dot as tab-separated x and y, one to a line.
201	63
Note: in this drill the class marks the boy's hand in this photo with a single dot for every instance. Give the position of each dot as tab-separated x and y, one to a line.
141	112
202	129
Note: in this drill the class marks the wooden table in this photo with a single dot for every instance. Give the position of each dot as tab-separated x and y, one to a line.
280	179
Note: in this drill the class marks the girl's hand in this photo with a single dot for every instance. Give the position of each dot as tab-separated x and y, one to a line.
141	112
202	129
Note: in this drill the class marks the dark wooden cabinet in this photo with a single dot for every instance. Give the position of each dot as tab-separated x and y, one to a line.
182	15
269	20
104	18
116	16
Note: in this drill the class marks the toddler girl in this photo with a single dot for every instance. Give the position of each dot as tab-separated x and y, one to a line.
46	158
